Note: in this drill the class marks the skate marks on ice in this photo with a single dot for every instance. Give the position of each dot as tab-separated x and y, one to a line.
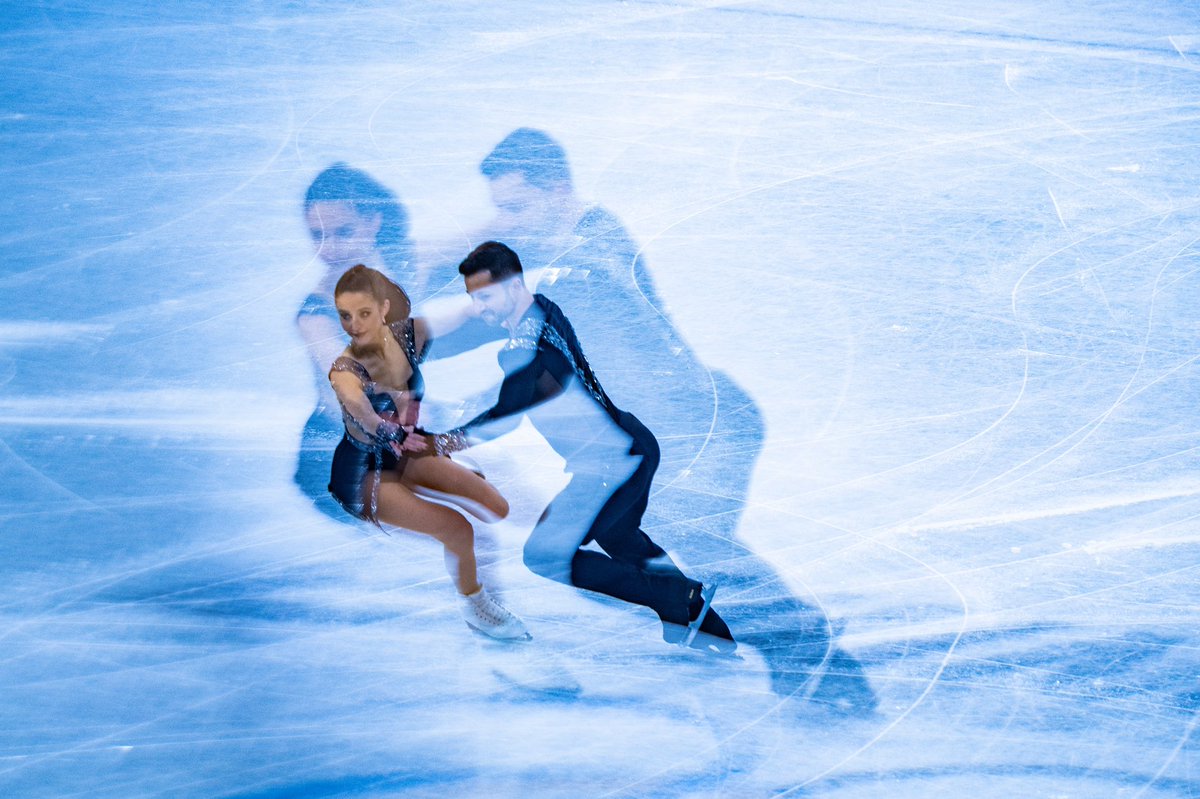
320	683
312	658
1022	675
310	684
931	162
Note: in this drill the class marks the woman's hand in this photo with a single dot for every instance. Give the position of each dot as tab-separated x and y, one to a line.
414	442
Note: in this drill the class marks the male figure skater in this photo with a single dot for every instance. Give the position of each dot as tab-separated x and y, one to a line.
611	456
710	429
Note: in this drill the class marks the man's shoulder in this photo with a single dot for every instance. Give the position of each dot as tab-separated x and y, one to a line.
529	331
550	313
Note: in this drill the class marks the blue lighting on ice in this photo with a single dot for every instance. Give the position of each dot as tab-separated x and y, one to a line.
909	296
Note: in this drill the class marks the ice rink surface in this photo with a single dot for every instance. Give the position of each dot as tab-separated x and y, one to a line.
949	250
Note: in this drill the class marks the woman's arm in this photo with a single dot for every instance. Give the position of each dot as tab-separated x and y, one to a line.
350	394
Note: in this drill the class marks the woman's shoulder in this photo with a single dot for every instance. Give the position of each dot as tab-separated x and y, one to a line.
344	363
413	337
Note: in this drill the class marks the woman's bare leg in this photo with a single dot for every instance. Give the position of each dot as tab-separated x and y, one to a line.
398	506
452	480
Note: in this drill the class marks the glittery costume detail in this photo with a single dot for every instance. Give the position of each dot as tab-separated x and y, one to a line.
532	329
376	455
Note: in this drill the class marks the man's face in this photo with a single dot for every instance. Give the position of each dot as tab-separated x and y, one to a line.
495	302
512	194
522	206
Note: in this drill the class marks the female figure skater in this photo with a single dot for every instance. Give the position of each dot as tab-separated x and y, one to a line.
353	219
382	467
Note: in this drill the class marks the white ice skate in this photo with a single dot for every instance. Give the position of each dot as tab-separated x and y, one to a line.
491	618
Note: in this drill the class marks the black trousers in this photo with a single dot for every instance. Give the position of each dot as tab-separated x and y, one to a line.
631	566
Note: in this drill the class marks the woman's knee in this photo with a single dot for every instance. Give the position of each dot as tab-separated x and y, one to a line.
457	537
498	505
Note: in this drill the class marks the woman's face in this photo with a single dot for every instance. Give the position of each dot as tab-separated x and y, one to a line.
343	237
362	317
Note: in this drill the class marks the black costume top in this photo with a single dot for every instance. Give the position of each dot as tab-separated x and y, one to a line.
601	278
380	397
540	359
358	460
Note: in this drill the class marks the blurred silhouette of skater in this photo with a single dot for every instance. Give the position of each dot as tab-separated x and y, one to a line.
710	430
352	219
609	453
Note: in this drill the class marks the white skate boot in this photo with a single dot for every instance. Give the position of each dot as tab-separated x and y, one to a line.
490	617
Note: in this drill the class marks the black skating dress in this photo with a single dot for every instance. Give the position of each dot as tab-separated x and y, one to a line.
358	462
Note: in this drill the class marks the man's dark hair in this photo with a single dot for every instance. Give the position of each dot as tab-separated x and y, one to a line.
539	159
492	257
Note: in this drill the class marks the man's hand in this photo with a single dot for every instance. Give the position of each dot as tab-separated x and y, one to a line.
414	443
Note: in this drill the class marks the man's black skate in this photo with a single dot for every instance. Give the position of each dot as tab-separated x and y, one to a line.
706	631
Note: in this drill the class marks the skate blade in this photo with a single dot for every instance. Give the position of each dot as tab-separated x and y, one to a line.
677	634
525	636
706	594
714	645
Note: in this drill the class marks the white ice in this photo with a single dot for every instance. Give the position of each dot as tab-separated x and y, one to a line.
949	249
